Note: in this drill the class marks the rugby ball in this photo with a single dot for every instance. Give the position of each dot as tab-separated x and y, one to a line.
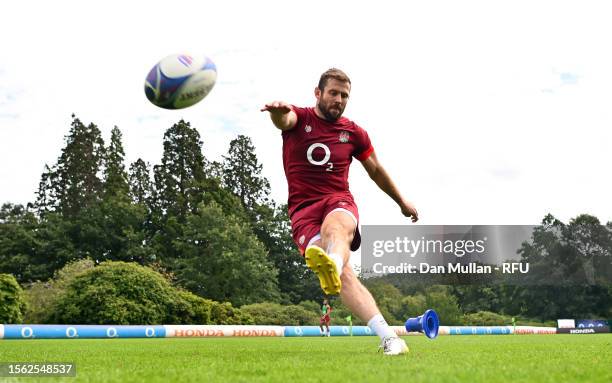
180	80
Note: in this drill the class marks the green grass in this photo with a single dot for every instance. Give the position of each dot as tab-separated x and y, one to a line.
519	358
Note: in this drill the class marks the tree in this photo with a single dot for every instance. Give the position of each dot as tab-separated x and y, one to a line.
115	176
117	222
75	182
570	270
592	245
223	260
18	242
12	303
141	188
180	179
242	174
295	280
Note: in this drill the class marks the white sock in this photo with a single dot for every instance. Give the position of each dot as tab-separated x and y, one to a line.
379	325
338	261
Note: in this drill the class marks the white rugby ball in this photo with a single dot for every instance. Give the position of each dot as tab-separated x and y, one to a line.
180	80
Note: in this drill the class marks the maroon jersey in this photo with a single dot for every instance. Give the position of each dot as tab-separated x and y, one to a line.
317	155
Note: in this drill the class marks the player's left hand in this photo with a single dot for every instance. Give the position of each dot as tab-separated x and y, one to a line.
408	210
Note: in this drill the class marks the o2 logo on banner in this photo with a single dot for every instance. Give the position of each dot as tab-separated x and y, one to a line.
591	323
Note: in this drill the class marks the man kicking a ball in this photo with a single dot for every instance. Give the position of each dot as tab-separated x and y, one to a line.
318	147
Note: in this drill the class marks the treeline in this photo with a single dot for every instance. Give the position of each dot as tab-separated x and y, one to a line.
210	229
210	224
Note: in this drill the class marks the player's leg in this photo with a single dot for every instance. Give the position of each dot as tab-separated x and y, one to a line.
329	251
337	234
358	299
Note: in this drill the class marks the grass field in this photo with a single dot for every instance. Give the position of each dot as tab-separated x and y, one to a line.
534	358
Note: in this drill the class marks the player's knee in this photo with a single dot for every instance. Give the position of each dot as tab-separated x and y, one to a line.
316	243
348	277
336	233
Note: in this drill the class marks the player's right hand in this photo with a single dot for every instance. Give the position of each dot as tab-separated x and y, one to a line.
408	210
277	107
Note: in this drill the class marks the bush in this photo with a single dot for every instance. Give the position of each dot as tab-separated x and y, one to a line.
267	313
486	318
339	314
389	301
127	293
192	309
41	296
310	306
189	308
445	303
413	306
12	303
225	313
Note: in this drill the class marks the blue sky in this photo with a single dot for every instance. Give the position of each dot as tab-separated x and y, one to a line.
484	112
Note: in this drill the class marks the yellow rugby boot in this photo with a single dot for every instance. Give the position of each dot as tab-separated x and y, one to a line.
325	268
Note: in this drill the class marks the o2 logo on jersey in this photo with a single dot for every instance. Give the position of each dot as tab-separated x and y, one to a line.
322	162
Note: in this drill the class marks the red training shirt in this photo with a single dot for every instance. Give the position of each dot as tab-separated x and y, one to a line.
317	155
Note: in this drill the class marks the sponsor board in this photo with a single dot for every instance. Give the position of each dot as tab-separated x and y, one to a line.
190	331
301	331
107	331
81	331
582	323
566	323
533	330
480	330
587	330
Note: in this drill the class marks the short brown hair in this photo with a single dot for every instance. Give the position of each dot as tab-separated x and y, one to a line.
334	73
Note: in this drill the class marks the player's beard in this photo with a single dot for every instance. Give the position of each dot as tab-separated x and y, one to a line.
327	113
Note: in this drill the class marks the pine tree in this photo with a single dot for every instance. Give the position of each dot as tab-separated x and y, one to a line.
242	174
75	182
115	176
180	179
47	198
141	188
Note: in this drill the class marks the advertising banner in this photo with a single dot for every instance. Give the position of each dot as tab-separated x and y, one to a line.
81	331
190	331
586	330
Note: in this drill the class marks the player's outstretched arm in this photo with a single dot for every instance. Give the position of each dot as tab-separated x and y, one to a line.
380	176
282	114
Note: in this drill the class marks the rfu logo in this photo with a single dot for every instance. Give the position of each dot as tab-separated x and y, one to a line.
344	137
308	128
